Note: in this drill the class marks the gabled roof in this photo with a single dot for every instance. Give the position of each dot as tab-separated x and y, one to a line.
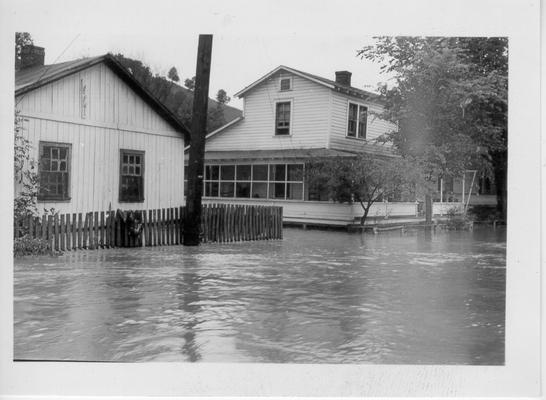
29	79
350	90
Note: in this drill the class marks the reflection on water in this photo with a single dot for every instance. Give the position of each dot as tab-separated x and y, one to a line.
315	297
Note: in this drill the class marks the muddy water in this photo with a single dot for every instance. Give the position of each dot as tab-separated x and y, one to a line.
315	297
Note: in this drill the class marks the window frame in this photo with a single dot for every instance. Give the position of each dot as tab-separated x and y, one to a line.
49	198
277	102
358	122
252	181
282	78
130	152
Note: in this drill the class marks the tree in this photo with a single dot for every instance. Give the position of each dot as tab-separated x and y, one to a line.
449	101
222	97
25	175
363	178
173	75
21	39
190	83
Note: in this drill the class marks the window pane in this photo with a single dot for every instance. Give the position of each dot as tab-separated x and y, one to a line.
131	170
351	127
362	121
294	191
211	189
125	158
45	164
62	166
227	172
276	190
277	172
285	84
295	172
124	170
243	189
137	159
259	190
227	189
259	172
243	172
131	159
54	165
214	172
63	153
137	170
55	152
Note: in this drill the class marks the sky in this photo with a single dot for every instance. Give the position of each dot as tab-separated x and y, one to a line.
250	38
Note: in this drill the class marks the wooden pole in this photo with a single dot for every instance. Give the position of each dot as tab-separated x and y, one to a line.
197	148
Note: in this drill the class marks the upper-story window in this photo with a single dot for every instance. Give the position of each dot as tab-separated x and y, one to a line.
282	118
357	121
285	83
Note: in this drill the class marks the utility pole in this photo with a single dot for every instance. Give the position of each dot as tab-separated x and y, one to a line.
192	220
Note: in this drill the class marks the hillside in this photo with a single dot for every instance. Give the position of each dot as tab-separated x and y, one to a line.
177	98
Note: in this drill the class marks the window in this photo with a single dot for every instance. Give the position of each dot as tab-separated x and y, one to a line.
54	171
131	182
258	181
357	121
282	118
286	84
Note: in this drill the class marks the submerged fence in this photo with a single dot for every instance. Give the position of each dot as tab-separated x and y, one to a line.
160	227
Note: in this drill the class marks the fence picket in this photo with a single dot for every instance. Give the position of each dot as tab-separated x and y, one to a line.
102	230
62	234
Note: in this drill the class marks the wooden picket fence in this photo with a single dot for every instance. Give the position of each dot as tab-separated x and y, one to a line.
160	227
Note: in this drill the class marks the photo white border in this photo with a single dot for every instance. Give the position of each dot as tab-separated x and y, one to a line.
520	21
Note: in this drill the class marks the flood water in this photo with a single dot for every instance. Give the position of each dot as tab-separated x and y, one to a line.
314	297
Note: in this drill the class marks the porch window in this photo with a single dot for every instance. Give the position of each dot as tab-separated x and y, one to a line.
54	171
258	181
282	118
131	182
357	121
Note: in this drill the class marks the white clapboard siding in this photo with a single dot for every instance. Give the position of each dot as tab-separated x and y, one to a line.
117	118
109	102
338	136
310	118
326	213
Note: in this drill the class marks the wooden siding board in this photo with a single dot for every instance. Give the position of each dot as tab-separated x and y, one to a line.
310	108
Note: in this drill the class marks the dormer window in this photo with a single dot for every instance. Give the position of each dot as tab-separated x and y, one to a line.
357	121
285	84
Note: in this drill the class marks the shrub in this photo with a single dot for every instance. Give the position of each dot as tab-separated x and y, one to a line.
27	246
457	221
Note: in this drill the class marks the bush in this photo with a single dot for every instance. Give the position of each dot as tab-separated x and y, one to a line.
27	246
457	221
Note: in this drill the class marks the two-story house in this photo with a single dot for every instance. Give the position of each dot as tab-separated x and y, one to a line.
99	138
290	117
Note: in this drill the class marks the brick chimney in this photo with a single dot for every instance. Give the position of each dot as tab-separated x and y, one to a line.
31	56
343	78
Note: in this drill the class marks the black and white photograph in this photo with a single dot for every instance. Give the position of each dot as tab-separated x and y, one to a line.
204	193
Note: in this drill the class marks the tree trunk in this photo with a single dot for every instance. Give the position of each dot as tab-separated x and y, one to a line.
500	165
365	215
428	209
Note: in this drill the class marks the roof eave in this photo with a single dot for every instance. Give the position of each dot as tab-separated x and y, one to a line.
124	75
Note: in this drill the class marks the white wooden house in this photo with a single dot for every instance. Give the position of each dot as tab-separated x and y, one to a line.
101	140
290	116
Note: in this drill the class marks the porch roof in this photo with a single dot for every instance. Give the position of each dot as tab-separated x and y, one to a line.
291	154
